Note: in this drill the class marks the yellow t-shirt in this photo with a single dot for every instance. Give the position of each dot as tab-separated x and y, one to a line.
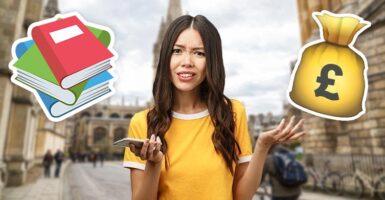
196	170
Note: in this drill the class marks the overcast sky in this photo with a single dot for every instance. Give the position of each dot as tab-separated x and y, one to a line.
260	38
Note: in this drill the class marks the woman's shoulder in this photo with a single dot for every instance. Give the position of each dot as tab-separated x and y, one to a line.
140	117
237	105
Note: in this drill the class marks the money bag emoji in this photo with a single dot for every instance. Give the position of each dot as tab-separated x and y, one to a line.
330	77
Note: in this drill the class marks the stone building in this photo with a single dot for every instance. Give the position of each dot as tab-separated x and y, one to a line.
25	132
363	139
98	127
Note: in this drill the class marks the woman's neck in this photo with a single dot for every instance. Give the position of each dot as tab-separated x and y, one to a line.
188	102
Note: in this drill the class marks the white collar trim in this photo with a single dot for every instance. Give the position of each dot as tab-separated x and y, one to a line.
190	116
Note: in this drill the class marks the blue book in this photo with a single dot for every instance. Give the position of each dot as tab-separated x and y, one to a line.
95	88
22	47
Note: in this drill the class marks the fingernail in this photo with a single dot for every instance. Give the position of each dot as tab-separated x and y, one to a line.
152	137
158	139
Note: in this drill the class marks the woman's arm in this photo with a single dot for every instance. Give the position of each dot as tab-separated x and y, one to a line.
144	184
248	177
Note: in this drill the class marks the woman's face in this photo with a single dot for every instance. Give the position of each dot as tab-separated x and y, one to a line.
188	61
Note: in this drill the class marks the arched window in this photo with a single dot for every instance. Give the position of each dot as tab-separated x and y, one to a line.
119	133
128	116
99	114
100	135
85	114
114	115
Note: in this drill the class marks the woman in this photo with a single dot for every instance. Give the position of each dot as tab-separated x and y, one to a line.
198	145
47	162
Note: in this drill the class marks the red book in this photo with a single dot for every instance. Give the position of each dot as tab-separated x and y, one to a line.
72	52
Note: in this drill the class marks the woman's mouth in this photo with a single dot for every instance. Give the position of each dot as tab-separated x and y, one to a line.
185	76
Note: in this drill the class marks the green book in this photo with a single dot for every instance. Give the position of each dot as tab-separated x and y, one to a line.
33	70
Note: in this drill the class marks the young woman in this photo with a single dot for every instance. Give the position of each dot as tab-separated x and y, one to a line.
198	145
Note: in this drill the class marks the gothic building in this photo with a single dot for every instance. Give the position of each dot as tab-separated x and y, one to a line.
99	126
25	133
174	11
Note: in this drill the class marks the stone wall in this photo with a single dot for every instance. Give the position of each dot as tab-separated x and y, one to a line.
364	138
12	14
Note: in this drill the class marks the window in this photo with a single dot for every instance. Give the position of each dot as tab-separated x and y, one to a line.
114	115
100	135
119	133
85	114
128	116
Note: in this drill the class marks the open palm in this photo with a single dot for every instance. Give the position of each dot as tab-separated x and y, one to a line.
283	133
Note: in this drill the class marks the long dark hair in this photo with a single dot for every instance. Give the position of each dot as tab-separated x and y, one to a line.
211	89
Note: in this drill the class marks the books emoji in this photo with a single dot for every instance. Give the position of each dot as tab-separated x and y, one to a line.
75	52
34	71
64	87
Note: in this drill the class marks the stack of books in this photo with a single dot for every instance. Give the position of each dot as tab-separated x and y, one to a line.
65	64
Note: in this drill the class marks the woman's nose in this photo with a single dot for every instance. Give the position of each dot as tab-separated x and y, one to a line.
187	62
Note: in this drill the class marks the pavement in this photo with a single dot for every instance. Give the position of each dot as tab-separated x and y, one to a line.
42	189
58	188
320	196
307	195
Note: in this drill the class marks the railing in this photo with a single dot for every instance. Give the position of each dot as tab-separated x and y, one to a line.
360	175
346	163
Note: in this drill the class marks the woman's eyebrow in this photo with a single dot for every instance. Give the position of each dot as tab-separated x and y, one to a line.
199	48
183	47
179	45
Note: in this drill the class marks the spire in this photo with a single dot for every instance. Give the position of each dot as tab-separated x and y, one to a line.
174	10
51	9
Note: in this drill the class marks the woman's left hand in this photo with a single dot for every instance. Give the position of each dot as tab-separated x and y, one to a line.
282	133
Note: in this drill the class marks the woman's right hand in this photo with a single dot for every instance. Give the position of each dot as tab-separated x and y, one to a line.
150	150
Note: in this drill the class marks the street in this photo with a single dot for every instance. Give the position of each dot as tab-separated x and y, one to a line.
83	181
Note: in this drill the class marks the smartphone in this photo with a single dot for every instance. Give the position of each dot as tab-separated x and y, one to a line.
126	141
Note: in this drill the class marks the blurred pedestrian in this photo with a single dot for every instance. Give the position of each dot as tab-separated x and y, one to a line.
93	158
47	162
59	157
283	189
72	155
101	157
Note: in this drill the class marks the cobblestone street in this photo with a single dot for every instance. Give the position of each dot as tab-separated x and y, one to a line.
111	181
81	181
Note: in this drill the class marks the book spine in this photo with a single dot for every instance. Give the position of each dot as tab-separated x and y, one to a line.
48	53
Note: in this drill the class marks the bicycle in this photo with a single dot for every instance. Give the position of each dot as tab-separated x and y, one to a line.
327	180
356	182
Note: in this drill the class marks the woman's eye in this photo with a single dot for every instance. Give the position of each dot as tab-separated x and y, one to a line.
202	54
176	51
